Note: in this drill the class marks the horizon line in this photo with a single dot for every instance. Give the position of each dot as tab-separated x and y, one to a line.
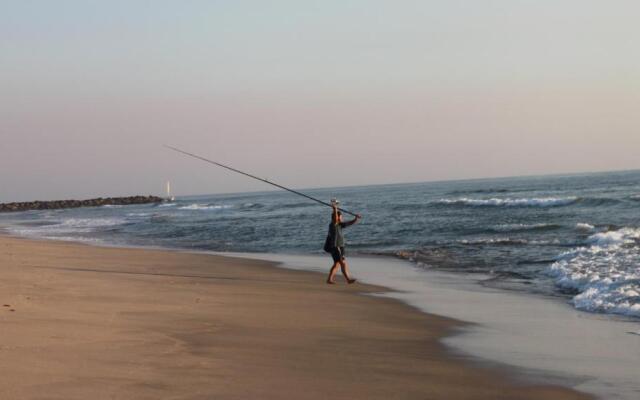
555	174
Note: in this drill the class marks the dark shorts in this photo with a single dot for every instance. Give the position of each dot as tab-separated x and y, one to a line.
337	254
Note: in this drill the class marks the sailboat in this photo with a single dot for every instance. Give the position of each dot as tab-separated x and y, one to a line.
169	196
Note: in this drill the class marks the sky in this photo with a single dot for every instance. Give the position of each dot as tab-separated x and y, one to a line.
311	94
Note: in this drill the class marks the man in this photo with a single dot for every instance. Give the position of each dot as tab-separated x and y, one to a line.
336	242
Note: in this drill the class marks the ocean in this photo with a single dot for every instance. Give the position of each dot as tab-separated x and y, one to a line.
572	236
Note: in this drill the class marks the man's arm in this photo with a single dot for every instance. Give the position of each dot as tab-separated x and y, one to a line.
353	221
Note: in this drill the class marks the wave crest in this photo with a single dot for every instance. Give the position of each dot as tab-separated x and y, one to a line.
204	207
525	227
604	273
494	241
68	226
510	202
581	226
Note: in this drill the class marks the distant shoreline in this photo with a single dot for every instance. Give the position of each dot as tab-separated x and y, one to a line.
60	204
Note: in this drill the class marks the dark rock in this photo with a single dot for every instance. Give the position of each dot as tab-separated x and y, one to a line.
58	204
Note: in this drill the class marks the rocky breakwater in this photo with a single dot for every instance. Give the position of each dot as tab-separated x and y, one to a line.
56	204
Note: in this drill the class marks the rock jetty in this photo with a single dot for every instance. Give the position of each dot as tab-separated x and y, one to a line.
100	201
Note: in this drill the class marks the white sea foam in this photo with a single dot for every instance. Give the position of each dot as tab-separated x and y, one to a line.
92	222
71	225
75	239
138	214
204	207
521	227
512	202
605	272
497	241
585	227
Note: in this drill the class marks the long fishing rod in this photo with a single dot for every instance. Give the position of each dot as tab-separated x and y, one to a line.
255	177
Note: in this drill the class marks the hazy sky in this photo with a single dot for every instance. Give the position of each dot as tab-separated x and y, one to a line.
309	94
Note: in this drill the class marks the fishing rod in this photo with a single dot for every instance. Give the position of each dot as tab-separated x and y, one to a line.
255	177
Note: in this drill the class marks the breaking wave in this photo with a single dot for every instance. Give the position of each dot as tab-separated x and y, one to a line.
204	207
71	225
493	241
605	273
511	202
524	227
581	226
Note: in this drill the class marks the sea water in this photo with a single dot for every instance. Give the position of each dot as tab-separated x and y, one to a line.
575	236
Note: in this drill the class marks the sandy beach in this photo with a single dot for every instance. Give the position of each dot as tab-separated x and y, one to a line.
109	323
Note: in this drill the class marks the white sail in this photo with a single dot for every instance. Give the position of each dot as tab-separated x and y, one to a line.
169	197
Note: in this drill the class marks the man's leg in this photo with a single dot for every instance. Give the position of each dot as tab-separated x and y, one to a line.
345	270
332	272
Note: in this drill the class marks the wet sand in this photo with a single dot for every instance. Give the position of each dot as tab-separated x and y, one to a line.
82	322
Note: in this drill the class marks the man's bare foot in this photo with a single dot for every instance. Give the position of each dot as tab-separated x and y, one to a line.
350	281
330	282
